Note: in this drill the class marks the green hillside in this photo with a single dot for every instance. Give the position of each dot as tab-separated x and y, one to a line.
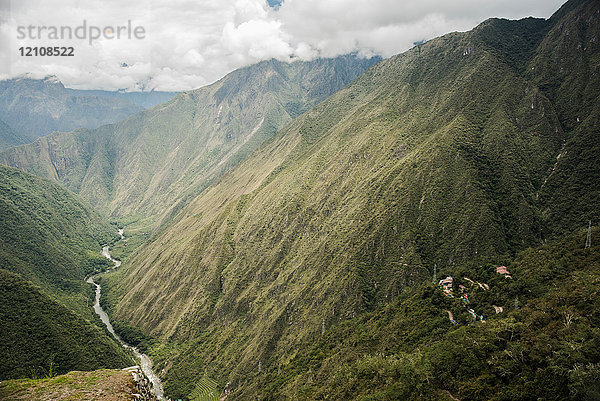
49	243
543	345
567	68
40	337
153	163
48	237
449	156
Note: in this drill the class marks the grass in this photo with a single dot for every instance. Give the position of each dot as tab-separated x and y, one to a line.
105	385
206	390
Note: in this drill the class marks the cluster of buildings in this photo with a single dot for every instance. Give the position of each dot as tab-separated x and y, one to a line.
447	283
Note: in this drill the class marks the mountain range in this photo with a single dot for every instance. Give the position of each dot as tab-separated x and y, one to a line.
289	225
149	165
456	154
8	138
36	107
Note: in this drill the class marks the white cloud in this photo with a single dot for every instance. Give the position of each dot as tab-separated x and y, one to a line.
258	39
189	43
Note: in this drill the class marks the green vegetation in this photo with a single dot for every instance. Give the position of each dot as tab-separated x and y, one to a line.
295	263
101	385
41	338
543	347
49	243
444	157
132	335
566	68
206	390
153	163
49	237
136	234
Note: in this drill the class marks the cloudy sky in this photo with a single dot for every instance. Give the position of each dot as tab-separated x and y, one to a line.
185	44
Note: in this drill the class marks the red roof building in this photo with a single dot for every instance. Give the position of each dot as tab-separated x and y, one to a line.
504	271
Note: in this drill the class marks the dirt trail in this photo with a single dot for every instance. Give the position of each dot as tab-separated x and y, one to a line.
451	396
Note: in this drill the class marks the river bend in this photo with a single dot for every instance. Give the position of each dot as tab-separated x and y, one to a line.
144	360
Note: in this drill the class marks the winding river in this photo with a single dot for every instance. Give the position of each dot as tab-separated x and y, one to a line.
144	360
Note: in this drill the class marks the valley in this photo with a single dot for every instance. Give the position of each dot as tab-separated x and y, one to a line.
144	169
145	363
417	227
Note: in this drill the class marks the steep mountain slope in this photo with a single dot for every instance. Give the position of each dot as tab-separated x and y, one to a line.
441	157
37	107
8	137
47	236
542	345
152	163
39	336
567	68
